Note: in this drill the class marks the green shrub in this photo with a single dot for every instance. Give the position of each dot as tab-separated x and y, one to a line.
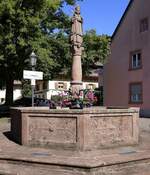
56	98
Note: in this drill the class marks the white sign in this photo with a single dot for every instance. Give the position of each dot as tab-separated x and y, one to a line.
32	75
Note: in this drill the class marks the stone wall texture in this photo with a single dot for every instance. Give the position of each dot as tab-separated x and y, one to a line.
18	168
87	129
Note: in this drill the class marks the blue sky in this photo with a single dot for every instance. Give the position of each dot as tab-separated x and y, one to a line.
102	15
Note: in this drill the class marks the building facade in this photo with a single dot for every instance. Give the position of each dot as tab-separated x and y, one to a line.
46	89
127	73
17	92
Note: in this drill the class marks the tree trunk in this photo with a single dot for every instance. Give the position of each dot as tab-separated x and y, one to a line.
9	91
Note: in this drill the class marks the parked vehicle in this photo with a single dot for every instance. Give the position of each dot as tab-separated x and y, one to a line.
23	102
4	110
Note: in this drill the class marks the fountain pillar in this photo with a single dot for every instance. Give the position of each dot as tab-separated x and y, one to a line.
76	39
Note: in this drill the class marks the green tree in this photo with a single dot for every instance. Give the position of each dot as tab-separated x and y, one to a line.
58	57
26	88
27	25
96	49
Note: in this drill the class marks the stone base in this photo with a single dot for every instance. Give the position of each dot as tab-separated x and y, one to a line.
75	132
81	130
36	163
76	88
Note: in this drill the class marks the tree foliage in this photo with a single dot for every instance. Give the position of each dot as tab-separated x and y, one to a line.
96	49
27	25
40	26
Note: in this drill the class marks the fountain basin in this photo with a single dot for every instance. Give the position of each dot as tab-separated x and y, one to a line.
76	129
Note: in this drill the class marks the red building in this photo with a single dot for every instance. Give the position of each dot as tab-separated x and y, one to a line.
127	73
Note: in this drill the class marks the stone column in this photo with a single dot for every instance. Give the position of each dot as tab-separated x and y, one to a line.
76	50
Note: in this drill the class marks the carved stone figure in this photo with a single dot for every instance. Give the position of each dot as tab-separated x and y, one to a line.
77	32
76	40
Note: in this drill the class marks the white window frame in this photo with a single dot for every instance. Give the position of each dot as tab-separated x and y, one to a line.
136	97
135	65
60	85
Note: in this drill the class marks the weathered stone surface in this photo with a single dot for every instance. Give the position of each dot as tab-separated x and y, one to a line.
11	168
133	168
59	130
105	131
76	40
7	167
21	160
87	129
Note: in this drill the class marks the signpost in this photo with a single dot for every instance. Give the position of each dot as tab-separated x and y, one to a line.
32	75
35	75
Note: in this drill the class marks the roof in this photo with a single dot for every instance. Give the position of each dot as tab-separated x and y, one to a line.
122	18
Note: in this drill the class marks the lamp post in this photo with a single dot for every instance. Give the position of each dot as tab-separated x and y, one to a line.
33	59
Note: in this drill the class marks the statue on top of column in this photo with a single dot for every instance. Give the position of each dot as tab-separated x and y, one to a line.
76	41
77	33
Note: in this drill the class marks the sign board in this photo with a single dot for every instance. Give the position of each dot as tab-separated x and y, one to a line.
32	75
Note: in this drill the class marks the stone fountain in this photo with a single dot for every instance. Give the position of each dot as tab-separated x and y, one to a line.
79	141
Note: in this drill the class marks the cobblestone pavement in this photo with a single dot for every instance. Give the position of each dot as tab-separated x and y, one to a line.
11	149
39	160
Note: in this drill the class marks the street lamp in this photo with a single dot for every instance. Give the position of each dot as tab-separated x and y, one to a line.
33	59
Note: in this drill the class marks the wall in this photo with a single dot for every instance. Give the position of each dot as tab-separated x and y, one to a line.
17	93
116	74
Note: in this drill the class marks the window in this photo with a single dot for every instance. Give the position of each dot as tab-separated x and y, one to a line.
59	85
135	60
144	25
90	86
37	87
135	92
45	85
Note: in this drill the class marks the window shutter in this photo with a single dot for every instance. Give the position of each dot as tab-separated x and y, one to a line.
94	86
56	85
87	86
65	86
